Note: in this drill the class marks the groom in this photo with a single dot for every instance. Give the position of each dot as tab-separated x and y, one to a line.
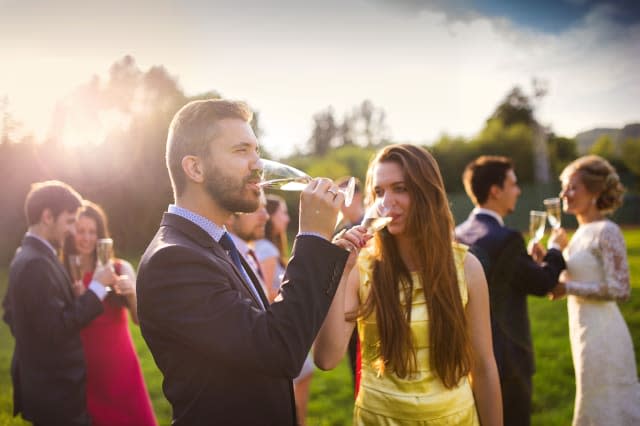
227	356
512	275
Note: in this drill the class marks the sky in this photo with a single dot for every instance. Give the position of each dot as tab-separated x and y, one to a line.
435	67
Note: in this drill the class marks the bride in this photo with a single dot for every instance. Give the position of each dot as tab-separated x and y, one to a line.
597	276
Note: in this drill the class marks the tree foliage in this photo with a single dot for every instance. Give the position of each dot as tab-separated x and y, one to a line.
631	155
108	141
364	126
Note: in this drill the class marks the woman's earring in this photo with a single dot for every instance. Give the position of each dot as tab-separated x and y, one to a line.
593	201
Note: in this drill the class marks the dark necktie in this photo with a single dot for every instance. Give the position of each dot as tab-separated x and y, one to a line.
256	263
227	243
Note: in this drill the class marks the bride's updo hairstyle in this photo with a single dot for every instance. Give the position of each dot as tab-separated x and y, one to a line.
599	177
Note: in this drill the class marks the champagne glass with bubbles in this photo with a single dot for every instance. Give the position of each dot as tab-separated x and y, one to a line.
554	211
286	178
375	218
104	251
537	222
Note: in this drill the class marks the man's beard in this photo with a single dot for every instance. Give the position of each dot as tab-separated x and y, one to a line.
251	235
228	191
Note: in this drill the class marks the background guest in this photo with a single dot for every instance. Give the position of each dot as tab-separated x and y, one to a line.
245	229
48	367
512	274
272	250
116	393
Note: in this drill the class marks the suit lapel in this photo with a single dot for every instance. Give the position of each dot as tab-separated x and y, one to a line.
222	254
60	276
204	239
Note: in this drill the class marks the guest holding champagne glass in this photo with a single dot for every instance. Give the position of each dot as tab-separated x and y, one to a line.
420	303
512	274
596	278
116	393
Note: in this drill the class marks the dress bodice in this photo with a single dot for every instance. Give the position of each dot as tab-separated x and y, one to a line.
596	259
421	396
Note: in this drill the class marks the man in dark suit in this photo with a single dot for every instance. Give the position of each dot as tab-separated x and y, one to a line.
48	367
512	274
227	356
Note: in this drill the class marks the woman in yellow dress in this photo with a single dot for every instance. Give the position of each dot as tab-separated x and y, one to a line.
421	305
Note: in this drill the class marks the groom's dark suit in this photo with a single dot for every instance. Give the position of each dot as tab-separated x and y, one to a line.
225	360
48	367
512	275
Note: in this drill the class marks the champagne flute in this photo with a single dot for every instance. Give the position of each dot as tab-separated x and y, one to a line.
286	178
537	222
554	211
75	262
104	251
375	218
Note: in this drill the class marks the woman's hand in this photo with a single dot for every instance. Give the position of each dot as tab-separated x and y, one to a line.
352	240
558	292
558	238
124	286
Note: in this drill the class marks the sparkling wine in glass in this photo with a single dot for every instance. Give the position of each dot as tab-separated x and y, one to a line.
104	251
286	178
375	218
537	222
75	263
554	211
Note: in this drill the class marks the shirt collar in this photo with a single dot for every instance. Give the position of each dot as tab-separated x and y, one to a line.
45	242
493	214
205	224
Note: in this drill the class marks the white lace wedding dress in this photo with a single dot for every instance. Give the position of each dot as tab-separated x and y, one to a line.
597	276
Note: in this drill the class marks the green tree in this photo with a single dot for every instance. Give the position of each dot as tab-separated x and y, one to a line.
561	152
515	141
604	147
514	108
631	155
324	133
453	154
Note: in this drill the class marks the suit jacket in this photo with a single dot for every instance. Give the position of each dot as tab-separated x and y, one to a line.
511	275
224	359
48	367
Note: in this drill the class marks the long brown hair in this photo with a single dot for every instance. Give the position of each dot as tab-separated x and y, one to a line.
274	202
430	227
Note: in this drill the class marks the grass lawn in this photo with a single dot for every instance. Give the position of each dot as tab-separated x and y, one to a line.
331	392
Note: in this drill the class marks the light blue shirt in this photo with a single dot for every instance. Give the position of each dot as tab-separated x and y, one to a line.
214	232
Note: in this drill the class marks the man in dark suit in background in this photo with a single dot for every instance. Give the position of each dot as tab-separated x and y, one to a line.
512	274
227	356
245	229
48	367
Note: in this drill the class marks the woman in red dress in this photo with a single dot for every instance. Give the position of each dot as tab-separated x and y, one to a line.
116	393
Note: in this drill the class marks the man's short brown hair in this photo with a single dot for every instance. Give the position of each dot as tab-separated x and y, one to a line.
53	195
484	172
191	130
